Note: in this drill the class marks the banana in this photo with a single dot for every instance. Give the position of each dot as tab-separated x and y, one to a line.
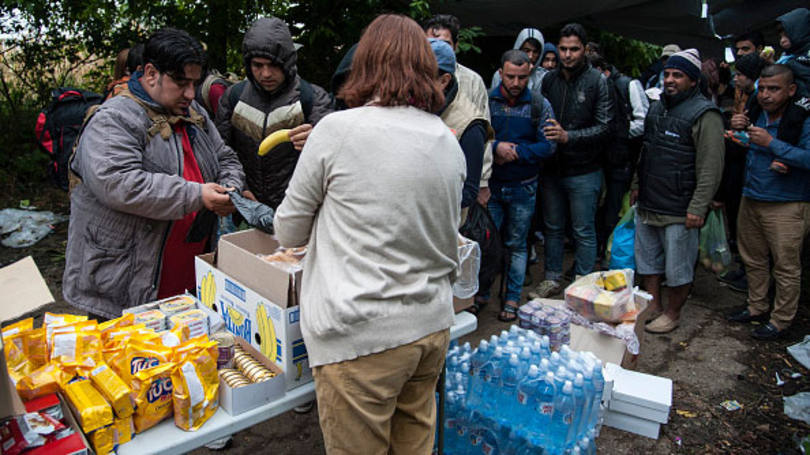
208	290
273	140
267	332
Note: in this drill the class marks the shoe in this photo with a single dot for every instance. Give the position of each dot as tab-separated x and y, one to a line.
653	316
766	332
744	316
662	324
735	280
508	312
304	408
545	289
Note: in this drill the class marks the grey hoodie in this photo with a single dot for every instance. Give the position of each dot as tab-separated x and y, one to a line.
536	76
258	113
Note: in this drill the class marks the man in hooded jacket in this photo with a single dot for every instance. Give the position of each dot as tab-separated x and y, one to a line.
530	41
273	97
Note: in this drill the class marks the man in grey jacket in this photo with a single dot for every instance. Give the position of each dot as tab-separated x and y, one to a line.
150	161
273	97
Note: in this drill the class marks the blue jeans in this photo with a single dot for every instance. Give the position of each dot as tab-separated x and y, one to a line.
512	208
580	194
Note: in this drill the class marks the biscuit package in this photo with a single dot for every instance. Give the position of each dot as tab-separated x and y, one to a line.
93	410
152	389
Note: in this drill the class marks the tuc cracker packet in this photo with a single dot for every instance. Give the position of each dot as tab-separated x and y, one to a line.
19	326
76	347
124	429
103	440
143	353
195	385
152	389
50	321
113	388
124	321
92	409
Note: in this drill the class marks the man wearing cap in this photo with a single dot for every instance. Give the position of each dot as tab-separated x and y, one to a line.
469	125
679	172
518	116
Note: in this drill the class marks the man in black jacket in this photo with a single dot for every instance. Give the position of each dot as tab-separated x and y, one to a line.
572	180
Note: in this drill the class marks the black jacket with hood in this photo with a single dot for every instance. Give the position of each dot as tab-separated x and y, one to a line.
797	27
584	108
258	113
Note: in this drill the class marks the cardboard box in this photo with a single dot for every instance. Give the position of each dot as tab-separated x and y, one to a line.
606	348
243	399
632	424
638	394
23	286
273	328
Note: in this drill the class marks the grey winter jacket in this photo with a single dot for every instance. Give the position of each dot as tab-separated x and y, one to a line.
258	113
132	188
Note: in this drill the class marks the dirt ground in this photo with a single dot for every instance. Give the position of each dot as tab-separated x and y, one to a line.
708	359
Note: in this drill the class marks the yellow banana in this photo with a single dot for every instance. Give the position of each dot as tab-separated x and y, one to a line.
273	140
260	327
208	290
267	333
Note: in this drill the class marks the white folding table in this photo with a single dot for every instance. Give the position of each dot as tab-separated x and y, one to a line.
166	438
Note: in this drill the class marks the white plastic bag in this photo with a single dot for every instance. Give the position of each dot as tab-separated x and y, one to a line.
469	260
23	228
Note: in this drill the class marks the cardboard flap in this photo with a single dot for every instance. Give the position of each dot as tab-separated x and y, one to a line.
23	289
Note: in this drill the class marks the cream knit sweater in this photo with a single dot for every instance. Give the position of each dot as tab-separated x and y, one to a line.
376	196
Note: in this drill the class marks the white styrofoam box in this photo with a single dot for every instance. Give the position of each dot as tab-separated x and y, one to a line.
274	331
639	411
639	389
637	425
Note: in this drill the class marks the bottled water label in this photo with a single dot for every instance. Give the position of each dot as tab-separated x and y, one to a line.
546	409
568	419
522	398
476	440
461	430
488	449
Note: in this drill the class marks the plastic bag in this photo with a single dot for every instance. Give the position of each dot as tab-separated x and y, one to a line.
26	227
801	351
480	228
621	245
798	406
469	264
590	297
255	213
195	385
714	253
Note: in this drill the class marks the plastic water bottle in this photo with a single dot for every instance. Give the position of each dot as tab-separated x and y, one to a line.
546	345
598	386
525	360
565	353
580	403
586	446
452	412
465	371
509	382
476	387
514	332
462	423
555	360
588	389
491	373
560	376
511	348
537	352
545	366
562	422
544	407
494	340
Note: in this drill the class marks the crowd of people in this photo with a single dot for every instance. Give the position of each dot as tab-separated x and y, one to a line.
379	176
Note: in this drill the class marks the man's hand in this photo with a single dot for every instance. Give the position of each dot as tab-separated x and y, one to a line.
299	135
694	221
483	196
740	121
555	132
215	199
505	152
633	196
249	194
759	136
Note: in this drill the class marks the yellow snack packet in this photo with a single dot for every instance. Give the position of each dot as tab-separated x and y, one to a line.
103	440
113	388
195	384
152	388
19	326
37	346
124	321
42	381
25	351
142	354
612	281
76	347
124	429
51	321
93	410
120	336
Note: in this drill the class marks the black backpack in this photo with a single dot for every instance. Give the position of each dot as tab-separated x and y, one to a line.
58	126
480	227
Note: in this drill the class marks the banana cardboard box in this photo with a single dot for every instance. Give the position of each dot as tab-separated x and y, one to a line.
257	300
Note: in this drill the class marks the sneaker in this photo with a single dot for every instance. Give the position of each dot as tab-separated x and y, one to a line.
766	332
545	289
304	408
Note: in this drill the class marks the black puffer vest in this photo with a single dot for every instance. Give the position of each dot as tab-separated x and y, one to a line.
667	172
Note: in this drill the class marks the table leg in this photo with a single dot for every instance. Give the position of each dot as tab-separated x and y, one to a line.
440	416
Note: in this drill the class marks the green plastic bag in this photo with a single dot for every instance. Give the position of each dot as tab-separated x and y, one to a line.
714	253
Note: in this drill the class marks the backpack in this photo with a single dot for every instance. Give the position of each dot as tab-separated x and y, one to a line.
306	96
58	126
480	227
204	89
